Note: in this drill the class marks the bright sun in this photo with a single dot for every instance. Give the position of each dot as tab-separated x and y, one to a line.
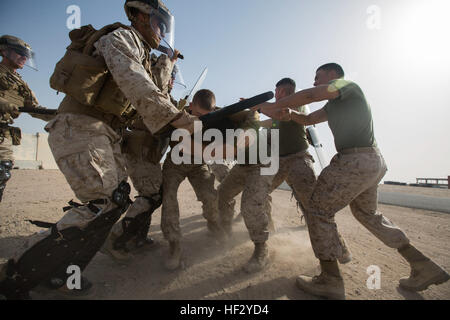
421	32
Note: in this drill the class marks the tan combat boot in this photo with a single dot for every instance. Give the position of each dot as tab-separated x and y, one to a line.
329	284
119	256
173	261
259	259
424	272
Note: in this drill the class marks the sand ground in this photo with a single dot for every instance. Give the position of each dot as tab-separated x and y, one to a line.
212	271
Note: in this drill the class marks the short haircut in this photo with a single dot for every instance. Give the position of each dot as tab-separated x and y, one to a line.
286	82
333	67
205	99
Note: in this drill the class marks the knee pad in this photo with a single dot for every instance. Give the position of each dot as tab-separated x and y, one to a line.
121	196
139	225
5	171
155	200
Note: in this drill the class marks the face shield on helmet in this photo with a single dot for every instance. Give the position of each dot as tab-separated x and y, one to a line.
18	53
163	25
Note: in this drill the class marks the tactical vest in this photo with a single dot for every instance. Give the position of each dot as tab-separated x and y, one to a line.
87	82
14	90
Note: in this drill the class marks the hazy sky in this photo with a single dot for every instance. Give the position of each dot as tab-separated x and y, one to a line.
397	51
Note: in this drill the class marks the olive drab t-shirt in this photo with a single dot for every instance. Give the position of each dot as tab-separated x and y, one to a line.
292	136
350	117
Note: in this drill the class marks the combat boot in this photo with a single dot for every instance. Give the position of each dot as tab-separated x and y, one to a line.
173	261
259	259
142	240
120	256
329	284
424	272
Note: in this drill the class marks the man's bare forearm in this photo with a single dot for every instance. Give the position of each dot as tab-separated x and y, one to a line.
316	117
308	96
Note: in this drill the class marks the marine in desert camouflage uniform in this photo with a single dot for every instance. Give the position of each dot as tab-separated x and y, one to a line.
142	154
352	178
201	180
85	142
296	163
14	93
247	179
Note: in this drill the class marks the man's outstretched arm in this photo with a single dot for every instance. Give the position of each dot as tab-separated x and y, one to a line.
304	97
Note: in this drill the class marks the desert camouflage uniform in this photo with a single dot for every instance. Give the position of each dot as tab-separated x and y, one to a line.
349	179
255	188
298	172
143	169
75	136
352	177
203	183
14	92
255	204
87	150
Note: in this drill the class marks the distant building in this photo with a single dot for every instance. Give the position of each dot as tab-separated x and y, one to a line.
34	153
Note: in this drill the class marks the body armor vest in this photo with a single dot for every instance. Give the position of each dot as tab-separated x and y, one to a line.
90	88
15	91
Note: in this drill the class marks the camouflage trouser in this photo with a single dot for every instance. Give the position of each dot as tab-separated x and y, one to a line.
146	178
349	179
203	183
255	204
298	171
6	152
87	152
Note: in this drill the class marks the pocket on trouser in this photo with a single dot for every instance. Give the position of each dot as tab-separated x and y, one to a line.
91	174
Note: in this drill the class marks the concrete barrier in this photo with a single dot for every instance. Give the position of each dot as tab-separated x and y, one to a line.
415	201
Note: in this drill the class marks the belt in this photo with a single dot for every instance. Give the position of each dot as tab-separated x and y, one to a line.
360	150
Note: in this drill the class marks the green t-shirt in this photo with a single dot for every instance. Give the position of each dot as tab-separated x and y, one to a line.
350	117
292	136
